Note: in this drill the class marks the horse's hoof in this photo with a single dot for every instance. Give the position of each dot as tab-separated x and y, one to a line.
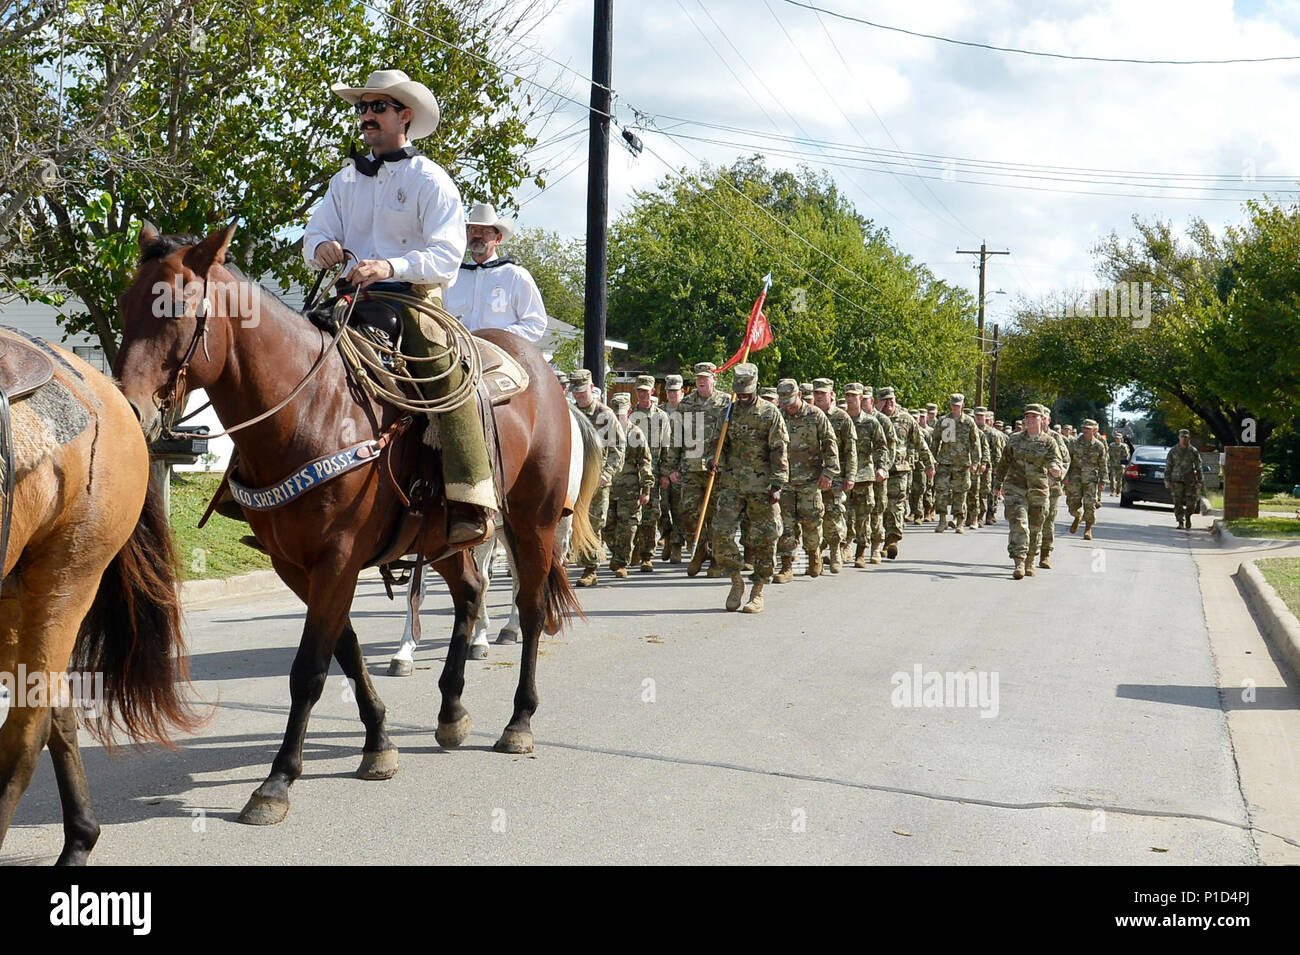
380	765
507	637
478	651
400	667
264	811
514	741
451	735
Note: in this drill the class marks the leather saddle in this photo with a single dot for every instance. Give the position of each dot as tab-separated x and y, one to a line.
502	375
23	367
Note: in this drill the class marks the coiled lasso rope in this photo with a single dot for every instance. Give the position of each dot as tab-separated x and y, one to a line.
370	374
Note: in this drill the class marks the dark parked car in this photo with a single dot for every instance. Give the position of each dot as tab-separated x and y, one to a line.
1144	477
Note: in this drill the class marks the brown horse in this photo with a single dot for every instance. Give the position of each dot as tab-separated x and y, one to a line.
88	577
249	354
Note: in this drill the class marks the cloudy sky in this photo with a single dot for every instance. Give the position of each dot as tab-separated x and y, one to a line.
1173	141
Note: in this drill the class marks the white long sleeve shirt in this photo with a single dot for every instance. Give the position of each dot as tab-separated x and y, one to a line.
408	213
497	296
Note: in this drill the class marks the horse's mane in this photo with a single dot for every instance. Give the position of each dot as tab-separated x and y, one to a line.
165	245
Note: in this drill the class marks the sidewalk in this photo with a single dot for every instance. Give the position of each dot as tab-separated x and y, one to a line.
1259	694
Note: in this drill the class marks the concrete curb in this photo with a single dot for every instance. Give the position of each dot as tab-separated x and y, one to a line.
1227	538
202	594
1277	621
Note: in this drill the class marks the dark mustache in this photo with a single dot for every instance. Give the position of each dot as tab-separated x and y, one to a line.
370	124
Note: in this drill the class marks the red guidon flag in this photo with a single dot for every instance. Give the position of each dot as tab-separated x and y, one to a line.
758	333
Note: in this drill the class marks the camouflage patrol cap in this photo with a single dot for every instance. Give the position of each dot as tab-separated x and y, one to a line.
823	384
886	392
853	388
931	407
1033	409
767	391
867	391
621	401
956	398
1183	432
580	379
805	388
1019	422
672	382
562	376
645	381
1055	427
999	423
1089	423
745	379
702	368
787	389
981	410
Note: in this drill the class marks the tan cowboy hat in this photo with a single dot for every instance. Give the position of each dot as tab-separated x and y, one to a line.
416	96
485	214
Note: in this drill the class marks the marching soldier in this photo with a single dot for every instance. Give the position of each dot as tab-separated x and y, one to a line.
834	524
980	479
1088	459
997	444
1030	460
611	436
957	453
1183	478
814	462
702	411
751	471
911	445
656	427
916	485
874	462
1054	498
931	415
1117	457
629	492
672	521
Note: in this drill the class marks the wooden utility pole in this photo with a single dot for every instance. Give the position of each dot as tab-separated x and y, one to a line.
983	252
595	298
993	385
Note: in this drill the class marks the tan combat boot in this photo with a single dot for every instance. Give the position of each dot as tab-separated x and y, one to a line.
837	558
943	523
697	561
755	604
1074	525
1019	572
860	558
737	592
588	579
620	570
786	573
891	549
1087	531
1029	567
875	553
647	566
1045	561
958	528
815	564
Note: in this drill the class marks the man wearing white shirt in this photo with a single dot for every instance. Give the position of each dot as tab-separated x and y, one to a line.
491	291
401	216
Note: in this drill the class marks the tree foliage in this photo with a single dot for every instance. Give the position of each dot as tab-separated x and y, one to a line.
192	114
686	263
557	265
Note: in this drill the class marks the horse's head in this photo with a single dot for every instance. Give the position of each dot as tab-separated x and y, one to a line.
175	324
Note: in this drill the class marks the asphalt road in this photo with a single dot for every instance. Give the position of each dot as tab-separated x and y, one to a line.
672	731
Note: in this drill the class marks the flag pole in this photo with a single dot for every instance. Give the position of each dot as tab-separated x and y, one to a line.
722	433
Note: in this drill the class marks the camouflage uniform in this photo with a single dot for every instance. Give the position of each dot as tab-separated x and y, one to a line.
753	464
979	481
916	489
634	478
1088	460
656	427
880	494
672	521
997	447
928	431
834	524
813	453
1183	473
611	433
1117	456
1023	479
1054	500
956	450
873	454
911	448
704	416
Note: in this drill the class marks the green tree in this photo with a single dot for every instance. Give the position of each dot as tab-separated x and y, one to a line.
191	114
558	266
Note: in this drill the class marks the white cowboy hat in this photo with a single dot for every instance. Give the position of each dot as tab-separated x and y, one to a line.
484	213
416	96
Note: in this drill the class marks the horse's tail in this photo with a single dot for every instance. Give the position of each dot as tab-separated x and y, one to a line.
132	637
585	538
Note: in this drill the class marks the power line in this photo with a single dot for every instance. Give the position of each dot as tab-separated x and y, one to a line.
1055	56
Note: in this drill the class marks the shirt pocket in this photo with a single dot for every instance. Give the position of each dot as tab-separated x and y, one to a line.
399	215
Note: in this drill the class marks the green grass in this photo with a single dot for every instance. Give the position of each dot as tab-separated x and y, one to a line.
1271	527
214	552
1282	503
1284	574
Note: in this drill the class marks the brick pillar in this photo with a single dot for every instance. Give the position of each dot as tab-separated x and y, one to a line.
1241	470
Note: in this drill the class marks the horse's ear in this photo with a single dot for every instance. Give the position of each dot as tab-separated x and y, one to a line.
211	251
148	234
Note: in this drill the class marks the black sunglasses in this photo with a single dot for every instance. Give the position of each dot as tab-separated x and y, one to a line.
376	106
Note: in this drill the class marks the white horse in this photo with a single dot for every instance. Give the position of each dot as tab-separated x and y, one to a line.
485	554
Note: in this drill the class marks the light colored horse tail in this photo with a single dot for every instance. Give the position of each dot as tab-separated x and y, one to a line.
585	538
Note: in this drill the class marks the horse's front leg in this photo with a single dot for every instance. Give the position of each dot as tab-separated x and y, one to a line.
466	587
328	603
